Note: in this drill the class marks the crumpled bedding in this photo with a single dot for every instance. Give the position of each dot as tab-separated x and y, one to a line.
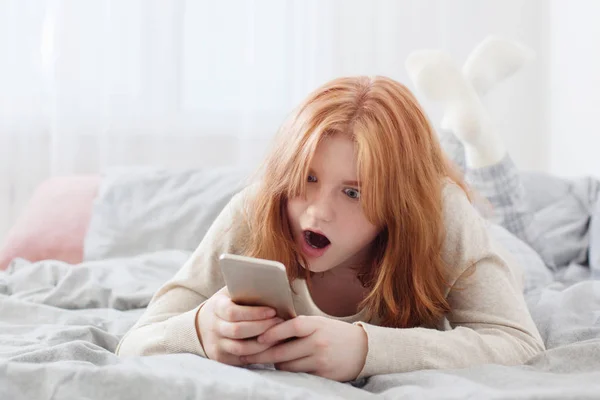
60	324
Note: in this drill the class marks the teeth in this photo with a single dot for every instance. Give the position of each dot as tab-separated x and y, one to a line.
307	237
311	237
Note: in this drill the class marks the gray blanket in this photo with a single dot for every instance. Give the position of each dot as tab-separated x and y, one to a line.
60	324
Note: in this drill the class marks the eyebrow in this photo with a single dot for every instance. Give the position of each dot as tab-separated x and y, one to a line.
346	183
351	183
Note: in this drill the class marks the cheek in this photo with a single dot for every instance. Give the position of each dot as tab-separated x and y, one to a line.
294	210
368	233
358	230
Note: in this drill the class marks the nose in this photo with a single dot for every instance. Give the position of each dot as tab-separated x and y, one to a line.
320	206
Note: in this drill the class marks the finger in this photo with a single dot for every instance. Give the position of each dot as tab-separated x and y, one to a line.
242	347
229	359
229	311
305	364
245	329
296	327
288	351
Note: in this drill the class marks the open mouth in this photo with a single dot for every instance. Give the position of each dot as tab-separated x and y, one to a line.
316	240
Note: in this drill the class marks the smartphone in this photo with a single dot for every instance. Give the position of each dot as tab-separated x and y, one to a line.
257	282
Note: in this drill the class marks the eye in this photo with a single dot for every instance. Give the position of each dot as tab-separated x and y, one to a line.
312	178
352	193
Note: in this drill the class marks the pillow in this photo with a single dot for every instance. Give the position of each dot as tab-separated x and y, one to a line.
141	210
564	224
543	189
54	223
594	254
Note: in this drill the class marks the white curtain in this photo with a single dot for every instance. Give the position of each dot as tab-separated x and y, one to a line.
90	84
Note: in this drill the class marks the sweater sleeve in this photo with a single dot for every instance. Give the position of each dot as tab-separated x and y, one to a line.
169	323
489	321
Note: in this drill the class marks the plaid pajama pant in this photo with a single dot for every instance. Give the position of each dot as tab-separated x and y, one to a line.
506	207
500	185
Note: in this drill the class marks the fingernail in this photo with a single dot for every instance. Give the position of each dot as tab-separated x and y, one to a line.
270	313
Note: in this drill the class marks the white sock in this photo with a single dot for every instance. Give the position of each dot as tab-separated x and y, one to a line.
494	60
435	75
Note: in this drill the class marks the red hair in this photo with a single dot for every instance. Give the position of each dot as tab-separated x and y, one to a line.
402	170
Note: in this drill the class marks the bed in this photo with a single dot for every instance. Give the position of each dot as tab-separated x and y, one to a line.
60	322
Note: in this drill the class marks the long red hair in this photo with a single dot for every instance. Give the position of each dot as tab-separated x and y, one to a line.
401	168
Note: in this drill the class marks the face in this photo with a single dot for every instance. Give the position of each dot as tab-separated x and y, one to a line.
328	223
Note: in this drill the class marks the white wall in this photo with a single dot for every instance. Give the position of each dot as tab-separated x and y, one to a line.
547	110
574	83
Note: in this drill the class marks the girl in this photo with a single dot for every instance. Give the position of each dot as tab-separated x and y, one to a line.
391	267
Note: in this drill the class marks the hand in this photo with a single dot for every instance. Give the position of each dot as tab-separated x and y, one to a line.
228	331
325	347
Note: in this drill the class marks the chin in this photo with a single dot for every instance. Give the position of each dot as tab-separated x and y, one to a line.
319	267
312	267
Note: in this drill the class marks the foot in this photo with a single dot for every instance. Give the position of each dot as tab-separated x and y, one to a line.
494	60
435	74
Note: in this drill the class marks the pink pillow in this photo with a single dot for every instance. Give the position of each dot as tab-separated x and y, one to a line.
54	223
